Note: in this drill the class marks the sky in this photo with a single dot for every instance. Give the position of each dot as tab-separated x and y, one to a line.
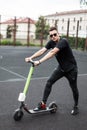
36	8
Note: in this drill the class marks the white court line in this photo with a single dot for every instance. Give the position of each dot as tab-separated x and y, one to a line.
24	78
13	73
13	80
82	74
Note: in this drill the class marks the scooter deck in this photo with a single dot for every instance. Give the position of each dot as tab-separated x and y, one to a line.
40	111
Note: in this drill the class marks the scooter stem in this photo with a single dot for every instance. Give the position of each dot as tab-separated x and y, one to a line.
28	80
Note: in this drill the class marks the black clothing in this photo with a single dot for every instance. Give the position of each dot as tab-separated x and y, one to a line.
56	75
64	56
67	67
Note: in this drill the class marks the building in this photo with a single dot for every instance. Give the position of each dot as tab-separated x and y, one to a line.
22	27
61	20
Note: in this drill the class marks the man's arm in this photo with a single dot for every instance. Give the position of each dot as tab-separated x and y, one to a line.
49	55
37	54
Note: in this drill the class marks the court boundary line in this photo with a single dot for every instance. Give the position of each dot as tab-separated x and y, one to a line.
16	74
22	78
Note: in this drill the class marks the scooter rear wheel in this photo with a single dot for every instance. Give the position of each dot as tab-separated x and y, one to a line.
18	115
54	106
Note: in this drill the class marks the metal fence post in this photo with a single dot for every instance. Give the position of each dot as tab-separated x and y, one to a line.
14	32
68	23
28	33
0	30
86	44
76	41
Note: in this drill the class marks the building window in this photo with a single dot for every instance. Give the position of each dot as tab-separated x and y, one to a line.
62	20
47	20
80	19
52	20
62	28
80	27
86	28
68	19
73	27
74	19
57	19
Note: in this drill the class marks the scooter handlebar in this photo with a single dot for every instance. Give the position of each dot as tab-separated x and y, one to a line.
32	62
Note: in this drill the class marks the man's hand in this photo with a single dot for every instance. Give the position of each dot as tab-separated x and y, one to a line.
36	63
27	59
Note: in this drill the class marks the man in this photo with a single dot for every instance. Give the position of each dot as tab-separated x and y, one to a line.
67	67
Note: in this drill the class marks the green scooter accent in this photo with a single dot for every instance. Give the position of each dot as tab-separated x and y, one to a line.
28	79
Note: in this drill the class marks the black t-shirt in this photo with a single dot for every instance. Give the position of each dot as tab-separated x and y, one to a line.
65	56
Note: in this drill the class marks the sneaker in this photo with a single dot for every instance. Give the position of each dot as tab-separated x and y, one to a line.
41	106
75	110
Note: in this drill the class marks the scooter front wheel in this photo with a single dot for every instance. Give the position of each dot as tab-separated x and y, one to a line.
53	106
18	115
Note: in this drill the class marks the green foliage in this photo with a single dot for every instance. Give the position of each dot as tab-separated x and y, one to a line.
18	43
10	43
81	42
9	31
42	29
72	41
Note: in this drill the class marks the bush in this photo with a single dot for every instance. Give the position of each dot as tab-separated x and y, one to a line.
81	42
10	43
5	42
18	43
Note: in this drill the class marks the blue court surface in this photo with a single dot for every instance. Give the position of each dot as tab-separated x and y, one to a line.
13	74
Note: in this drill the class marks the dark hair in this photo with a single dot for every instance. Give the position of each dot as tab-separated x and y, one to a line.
52	28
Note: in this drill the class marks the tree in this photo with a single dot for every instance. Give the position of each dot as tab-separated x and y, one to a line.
9	31
41	29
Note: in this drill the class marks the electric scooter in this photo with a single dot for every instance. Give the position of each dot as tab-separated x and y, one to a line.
18	114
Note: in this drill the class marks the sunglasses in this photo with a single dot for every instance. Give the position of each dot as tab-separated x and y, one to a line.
55	34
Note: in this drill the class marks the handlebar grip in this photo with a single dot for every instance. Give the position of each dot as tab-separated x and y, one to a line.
32	62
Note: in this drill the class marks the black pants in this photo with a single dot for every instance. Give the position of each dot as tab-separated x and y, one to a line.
56	75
